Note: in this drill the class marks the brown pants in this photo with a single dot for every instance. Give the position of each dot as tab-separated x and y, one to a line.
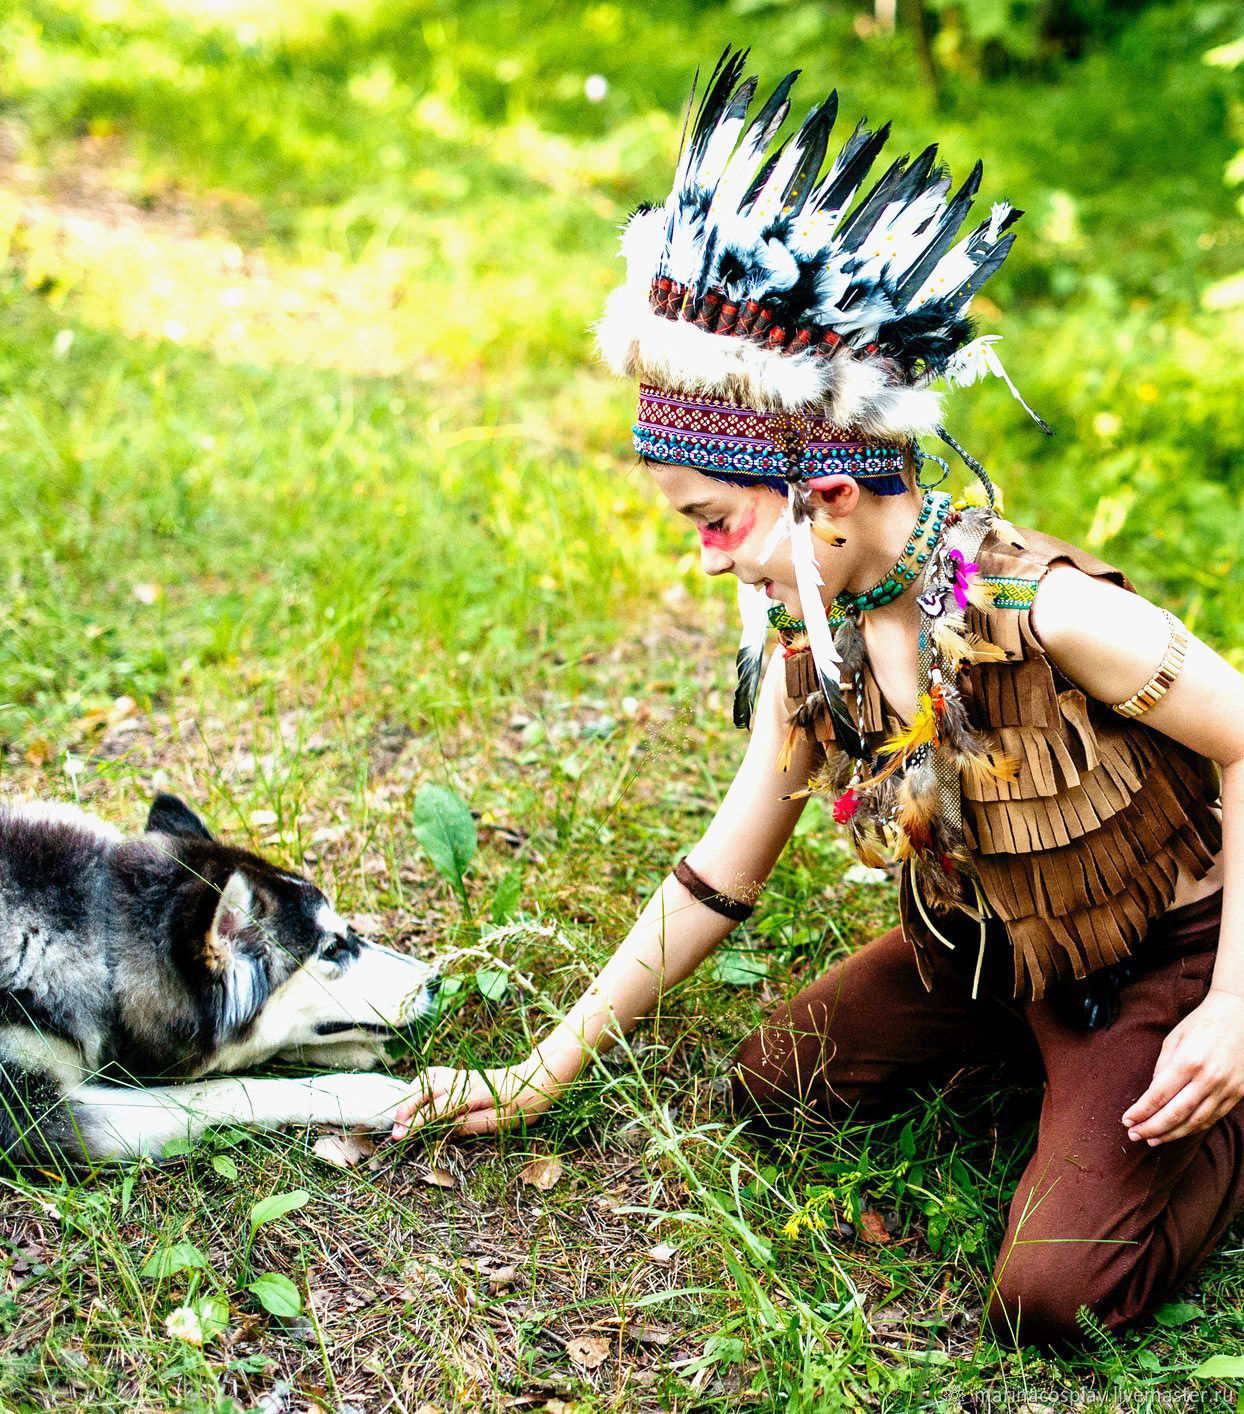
1097	1219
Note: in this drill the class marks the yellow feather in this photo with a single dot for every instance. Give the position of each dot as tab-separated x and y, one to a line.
980	770
954	648
919	732
958	648
985	652
979	594
788	748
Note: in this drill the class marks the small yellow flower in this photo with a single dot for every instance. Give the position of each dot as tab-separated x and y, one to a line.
791	1226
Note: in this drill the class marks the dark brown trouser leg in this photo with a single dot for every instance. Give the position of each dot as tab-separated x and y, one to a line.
851	1040
1097	1219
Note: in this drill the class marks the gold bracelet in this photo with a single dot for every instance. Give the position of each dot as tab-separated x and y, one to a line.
1168	670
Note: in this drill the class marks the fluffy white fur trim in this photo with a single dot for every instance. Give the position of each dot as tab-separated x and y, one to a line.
852	392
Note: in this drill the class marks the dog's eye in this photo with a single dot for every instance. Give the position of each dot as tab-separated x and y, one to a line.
339	949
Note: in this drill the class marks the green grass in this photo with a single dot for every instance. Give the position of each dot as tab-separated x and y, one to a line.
313	495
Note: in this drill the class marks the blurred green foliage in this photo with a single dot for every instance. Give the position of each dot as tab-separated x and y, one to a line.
439	175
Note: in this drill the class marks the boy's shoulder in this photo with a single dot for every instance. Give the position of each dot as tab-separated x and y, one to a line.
1013	560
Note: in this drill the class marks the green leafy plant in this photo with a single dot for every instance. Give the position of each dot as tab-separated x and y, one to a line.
446	830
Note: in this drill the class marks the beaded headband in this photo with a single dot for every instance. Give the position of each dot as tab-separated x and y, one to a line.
711	435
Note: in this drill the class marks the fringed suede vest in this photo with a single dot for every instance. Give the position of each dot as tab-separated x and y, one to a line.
1080	852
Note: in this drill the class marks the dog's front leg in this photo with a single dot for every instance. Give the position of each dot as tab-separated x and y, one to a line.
116	1122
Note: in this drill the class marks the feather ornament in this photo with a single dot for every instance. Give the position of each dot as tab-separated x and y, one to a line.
955	648
754	613
1005	531
979	358
920	732
981	770
787	751
917	802
831	777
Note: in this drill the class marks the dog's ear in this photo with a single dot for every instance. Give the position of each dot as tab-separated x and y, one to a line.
240	972
170	816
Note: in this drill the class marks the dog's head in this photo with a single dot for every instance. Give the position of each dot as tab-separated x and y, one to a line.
279	970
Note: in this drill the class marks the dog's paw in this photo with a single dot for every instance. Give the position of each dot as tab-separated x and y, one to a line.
359	1101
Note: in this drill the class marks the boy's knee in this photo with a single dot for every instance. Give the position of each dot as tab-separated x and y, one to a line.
757	1086
775	1085
1039	1292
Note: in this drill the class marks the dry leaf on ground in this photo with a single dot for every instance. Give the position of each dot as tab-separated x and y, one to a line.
588	1351
438	1177
541	1173
343	1151
662	1252
872	1227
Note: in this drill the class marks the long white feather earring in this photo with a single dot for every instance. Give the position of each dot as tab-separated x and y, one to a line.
754	612
809	583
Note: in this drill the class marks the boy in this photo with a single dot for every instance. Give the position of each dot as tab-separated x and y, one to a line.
1055	763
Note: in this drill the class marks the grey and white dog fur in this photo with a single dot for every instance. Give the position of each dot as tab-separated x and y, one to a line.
131	968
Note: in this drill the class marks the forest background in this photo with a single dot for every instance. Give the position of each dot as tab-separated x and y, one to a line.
314	497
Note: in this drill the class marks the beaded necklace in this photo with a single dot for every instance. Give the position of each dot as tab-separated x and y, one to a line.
891	585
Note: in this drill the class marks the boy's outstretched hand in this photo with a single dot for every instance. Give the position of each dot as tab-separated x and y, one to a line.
481	1101
1199	1075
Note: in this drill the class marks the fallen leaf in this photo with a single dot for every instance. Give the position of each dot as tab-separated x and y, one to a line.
437	1177
343	1151
263	817
502	1277
429	1409
147	593
662	1252
588	1351
541	1173
872	1227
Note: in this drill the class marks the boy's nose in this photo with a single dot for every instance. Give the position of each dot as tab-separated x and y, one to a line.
713	560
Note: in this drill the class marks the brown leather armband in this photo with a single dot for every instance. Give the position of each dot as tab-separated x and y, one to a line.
704	893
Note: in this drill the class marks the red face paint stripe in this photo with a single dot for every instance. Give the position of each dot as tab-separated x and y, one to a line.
728	539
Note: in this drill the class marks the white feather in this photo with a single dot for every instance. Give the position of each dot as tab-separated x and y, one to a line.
974	361
998	213
754	616
949	273
825	654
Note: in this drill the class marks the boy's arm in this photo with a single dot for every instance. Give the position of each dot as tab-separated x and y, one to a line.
1110	642
672	935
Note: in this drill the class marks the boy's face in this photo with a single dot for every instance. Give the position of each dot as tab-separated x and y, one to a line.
733	523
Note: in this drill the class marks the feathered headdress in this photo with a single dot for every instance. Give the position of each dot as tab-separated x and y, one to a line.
784	323
762	282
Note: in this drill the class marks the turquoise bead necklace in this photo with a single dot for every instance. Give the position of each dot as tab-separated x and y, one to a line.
911	562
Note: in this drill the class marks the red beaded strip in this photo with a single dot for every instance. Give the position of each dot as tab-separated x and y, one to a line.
715	314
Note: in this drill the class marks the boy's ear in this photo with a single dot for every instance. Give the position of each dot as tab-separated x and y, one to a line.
170	816
237	968
839	494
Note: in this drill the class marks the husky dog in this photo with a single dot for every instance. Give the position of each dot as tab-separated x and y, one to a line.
130	968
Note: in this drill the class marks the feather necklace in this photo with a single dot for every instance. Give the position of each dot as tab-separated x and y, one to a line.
903	800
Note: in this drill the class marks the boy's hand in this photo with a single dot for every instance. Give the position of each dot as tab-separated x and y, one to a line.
482	1101
1199	1076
